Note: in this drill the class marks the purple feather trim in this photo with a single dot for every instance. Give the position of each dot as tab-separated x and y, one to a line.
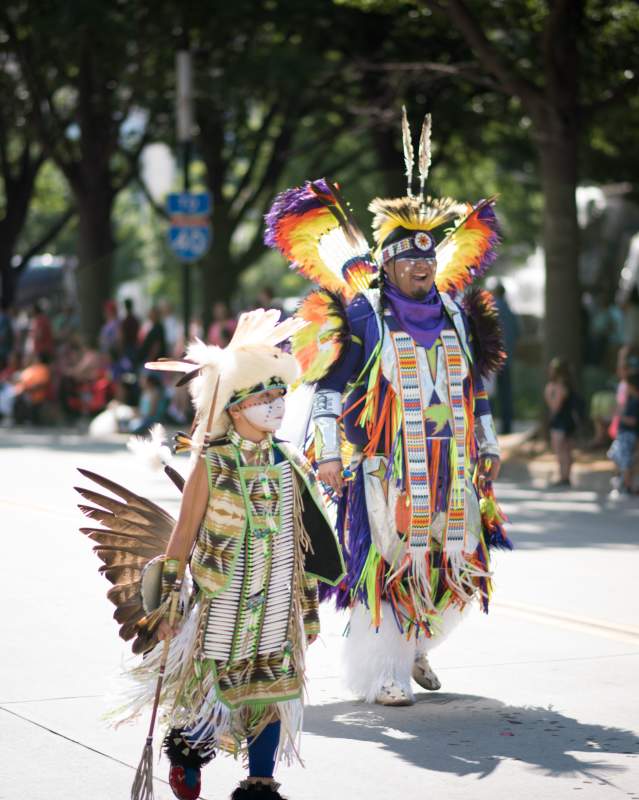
298	200
488	217
497	539
353	507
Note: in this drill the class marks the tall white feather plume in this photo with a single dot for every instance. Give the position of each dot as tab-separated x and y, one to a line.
409	153
253	345
251	357
424	155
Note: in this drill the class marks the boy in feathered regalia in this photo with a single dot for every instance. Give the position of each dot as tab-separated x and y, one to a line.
253	531
397	357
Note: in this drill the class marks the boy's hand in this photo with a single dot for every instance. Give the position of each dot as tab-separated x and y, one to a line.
311	638
166	631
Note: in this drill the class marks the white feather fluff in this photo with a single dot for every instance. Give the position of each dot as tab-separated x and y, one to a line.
152	451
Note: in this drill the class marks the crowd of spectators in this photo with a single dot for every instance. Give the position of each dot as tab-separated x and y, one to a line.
50	374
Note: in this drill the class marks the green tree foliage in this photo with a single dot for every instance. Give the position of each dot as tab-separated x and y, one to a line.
527	98
85	66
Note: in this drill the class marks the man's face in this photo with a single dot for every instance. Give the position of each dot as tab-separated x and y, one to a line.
413	277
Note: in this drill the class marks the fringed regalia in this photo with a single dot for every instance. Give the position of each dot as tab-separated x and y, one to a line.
249	599
399	397
237	663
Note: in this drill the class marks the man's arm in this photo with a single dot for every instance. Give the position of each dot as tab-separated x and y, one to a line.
327	409
488	450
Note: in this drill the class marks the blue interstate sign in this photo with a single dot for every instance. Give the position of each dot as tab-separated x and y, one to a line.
190	229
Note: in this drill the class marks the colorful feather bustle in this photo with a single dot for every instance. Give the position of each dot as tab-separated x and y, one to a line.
467	252
488	338
319	345
315	231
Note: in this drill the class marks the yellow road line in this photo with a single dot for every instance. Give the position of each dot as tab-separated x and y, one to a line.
549	616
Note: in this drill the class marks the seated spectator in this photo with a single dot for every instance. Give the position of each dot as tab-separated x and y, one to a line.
85	385
32	391
152	406
9	375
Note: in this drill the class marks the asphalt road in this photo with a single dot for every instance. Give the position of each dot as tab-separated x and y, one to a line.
539	698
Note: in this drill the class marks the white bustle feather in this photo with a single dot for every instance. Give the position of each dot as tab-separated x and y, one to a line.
251	357
152	451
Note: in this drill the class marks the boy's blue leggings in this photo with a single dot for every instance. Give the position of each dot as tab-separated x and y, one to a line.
261	751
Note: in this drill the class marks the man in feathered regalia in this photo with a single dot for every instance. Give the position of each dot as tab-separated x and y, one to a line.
403	432
254	534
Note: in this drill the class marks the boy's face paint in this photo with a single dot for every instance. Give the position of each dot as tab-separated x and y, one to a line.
264	411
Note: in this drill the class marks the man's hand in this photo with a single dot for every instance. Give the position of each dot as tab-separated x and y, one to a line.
489	467
330	473
310	639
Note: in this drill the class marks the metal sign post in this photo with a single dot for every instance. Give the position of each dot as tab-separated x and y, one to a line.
190	231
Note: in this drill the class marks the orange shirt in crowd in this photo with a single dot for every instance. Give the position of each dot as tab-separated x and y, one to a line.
34	382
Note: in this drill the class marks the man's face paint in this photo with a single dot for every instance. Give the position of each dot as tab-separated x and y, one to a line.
414	277
264	411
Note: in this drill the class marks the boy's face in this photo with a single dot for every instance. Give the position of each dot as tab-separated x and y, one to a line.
263	411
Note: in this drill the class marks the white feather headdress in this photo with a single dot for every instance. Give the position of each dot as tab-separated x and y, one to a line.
215	374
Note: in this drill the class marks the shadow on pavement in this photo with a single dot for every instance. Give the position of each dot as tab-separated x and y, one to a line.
585	516
471	735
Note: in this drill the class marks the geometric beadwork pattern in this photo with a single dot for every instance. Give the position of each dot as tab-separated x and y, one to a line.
455	538
414	430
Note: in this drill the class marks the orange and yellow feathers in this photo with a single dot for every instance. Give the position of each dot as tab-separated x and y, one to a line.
315	231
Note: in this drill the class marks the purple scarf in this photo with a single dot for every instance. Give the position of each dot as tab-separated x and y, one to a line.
421	319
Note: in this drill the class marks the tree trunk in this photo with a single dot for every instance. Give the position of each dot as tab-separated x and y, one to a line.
8	275
562	328
95	253
219	274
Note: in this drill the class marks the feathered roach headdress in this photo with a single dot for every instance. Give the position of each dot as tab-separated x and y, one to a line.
460	236
250	363
316	232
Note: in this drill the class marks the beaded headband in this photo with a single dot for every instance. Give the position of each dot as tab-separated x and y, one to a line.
421	242
242	394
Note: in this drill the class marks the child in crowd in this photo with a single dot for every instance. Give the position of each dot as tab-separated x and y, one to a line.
562	404
624	447
627	362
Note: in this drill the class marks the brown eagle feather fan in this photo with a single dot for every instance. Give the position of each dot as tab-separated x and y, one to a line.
133	532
